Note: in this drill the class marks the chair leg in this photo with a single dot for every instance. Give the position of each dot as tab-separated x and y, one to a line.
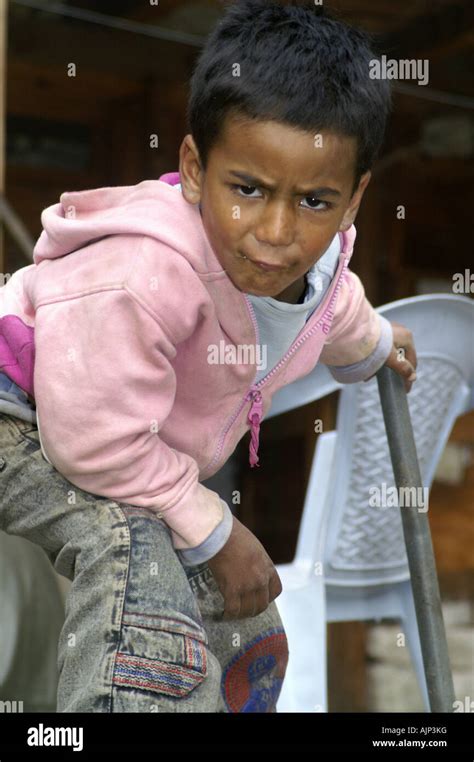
305	685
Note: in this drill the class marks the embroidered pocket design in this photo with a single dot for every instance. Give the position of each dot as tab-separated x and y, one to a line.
181	668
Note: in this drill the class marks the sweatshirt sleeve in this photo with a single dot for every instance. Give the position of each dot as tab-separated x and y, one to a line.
213	544
360	339
17	349
102	396
365	369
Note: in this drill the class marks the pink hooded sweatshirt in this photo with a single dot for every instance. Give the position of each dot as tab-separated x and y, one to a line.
124	298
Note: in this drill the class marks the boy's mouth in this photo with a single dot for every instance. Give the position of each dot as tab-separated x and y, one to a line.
262	265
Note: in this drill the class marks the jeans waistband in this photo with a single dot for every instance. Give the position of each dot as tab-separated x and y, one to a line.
198	574
20	423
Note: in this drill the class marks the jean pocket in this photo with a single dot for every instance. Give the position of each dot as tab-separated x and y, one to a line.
161	655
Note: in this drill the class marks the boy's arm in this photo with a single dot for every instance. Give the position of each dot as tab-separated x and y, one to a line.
366	368
103	393
361	341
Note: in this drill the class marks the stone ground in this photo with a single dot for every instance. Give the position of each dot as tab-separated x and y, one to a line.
392	685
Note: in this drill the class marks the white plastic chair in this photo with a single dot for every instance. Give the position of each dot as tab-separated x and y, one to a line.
350	562
31	618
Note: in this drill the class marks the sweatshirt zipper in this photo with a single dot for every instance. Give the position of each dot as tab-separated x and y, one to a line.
254	394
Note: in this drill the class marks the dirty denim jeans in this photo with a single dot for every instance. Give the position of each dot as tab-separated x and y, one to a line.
142	632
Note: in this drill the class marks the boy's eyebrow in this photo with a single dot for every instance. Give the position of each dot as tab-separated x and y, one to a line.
254	181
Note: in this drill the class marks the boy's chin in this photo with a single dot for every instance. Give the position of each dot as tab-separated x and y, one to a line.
257	292
247	287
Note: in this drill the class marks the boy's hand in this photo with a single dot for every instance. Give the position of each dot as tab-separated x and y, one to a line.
402	358
245	574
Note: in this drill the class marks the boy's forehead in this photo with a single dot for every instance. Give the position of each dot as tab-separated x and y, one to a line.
275	149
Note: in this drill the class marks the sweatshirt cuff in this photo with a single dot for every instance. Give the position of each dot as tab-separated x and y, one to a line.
193	517
365	369
212	544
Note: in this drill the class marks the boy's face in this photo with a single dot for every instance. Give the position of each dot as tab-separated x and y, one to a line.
278	213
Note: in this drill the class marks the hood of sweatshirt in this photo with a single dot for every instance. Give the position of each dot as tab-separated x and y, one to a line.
84	217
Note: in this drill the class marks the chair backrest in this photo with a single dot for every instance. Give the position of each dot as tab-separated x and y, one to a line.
364	543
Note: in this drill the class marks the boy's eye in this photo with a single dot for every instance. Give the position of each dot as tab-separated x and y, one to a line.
253	188
327	206
247	187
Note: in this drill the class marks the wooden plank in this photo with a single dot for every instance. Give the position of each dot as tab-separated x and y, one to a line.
165	108
53	41
463	430
47	92
427	32
346	666
152	13
451	517
3	44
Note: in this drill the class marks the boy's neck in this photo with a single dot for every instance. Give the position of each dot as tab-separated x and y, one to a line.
294	294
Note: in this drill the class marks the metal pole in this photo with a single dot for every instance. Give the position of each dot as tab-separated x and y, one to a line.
418	543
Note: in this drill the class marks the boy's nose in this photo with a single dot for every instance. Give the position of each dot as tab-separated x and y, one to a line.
275	228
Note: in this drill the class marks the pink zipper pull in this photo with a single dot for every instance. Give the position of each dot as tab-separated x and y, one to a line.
255	416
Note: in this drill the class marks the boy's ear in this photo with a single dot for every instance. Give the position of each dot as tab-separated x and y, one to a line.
190	170
351	212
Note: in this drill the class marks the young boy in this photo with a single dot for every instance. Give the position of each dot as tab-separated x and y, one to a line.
134	293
